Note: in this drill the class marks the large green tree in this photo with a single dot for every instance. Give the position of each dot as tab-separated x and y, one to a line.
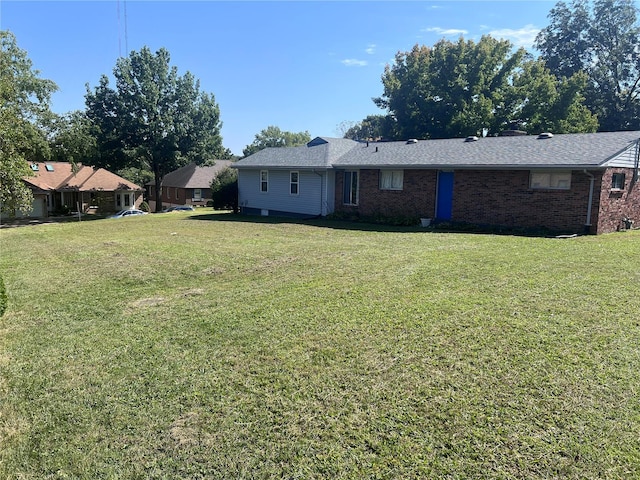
539	102
449	90
154	119
24	117
455	89
274	137
602	39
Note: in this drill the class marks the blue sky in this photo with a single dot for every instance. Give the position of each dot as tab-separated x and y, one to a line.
298	65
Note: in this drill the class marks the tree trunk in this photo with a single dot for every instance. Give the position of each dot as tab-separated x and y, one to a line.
158	182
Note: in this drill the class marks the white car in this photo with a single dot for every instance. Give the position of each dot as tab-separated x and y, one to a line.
128	213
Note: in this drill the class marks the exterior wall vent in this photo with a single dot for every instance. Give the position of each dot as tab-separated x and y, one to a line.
412	140
471	138
544	135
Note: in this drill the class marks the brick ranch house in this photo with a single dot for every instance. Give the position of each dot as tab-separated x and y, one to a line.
188	185
572	183
58	186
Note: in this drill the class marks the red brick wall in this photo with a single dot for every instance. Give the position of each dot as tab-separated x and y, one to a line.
617	205
484	197
417	197
505	198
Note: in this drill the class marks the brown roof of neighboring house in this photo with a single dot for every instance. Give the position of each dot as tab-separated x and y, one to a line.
61	176
194	176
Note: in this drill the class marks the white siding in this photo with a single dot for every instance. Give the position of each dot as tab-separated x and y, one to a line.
625	160
309	200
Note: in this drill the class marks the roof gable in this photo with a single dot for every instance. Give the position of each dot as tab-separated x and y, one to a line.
194	176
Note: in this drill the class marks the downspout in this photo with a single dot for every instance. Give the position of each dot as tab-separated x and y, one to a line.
587	225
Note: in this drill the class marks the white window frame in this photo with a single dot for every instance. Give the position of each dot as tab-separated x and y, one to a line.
353	196
293	183
391	179
618	181
197	194
264	181
550	180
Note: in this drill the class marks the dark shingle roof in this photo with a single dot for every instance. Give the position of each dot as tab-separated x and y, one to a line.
569	150
193	176
579	150
321	152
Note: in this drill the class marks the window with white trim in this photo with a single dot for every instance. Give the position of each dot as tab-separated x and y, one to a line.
550	180
197	194
264	181
617	181
391	179
350	188
294	183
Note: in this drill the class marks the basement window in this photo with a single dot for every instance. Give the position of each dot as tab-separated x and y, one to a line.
550	180
617	181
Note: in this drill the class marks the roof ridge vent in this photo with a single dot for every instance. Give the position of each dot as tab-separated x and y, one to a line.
412	140
544	135
471	138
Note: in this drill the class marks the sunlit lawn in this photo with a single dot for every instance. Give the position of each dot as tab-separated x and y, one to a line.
216	346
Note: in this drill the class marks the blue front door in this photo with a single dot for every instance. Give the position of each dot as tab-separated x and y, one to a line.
444	201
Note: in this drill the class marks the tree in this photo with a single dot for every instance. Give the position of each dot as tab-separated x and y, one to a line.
540	102
603	40
24	114
465	88
274	137
450	89
224	190
154	119
373	127
72	139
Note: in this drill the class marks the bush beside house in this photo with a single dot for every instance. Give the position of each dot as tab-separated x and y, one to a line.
224	190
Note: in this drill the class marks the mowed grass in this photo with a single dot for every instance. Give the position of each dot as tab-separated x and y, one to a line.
216	346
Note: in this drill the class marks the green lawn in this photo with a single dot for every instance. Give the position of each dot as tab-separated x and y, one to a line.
216	346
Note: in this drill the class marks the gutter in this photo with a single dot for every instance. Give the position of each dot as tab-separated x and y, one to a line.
587	224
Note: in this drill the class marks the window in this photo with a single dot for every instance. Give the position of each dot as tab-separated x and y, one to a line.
391	179
551	180
264	181
49	167
127	200
617	181
197	194
118	201
176	193
34	167
294	181
350	188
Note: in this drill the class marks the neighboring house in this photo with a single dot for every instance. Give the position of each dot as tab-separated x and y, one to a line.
565	183
188	185
58	186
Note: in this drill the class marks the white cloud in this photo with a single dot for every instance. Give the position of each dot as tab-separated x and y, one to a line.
447	32
352	62
371	48
522	37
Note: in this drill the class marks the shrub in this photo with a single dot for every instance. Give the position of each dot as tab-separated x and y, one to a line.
3	298
144	206
224	190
